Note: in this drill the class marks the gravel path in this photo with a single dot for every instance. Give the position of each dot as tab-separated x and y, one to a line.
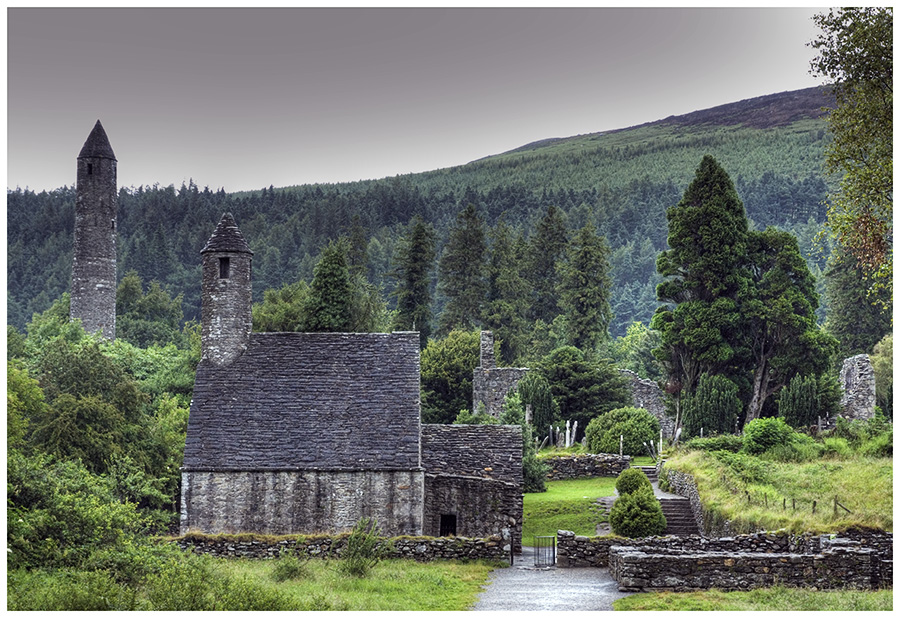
523	587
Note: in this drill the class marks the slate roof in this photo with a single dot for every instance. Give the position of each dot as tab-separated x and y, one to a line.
227	237
97	145
303	401
486	451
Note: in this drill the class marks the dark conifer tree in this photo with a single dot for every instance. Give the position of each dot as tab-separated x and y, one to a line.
584	290
506	305
547	246
330	293
462	273
413	263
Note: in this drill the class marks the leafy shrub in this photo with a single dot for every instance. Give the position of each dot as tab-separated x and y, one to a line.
714	406
637	514
636	425
67	590
750	469
632	480
290	566
881	445
761	434
836	447
725	442
479	417
364	549
799	450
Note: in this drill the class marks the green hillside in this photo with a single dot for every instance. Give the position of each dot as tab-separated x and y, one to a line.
621	181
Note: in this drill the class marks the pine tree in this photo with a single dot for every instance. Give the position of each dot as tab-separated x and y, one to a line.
584	290
462	273
714	406
546	248
413	263
506	305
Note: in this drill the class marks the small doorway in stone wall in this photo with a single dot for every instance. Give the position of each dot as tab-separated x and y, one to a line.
448	525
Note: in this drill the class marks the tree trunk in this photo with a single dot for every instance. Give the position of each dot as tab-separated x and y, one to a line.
760	383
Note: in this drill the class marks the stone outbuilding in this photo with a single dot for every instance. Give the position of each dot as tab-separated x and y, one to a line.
309	432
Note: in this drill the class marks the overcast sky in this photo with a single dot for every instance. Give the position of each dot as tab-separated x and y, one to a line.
246	98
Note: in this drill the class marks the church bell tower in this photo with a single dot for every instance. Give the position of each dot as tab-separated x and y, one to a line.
93	296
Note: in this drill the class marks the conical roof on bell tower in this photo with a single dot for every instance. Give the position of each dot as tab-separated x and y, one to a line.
227	238
97	145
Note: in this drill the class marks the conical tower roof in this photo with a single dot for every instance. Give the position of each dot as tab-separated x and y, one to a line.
97	145
227	237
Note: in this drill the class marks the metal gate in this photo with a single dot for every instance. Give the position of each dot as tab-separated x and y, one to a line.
544	551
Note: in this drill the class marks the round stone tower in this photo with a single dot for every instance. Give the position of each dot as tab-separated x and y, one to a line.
226	296
93	296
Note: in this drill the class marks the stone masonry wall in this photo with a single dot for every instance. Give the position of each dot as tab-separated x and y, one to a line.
585	466
858	383
306	501
648	395
581	551
422	549
482	507
225	307
642	570
93	293
491	384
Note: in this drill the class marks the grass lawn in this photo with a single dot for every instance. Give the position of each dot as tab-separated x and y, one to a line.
566	505
395	585
765	599
862	484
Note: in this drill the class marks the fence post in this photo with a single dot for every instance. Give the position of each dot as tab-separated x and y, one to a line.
814	506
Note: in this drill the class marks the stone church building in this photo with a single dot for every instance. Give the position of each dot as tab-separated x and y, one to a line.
301	432
306	432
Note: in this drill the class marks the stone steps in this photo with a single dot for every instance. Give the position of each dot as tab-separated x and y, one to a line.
679	517
650	471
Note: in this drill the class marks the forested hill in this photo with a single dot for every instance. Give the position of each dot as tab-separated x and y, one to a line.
622	181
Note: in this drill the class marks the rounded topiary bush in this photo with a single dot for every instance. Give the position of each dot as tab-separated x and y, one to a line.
637	515
635	425
761	434
632	480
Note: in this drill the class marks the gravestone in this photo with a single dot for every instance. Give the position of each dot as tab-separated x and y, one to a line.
858	384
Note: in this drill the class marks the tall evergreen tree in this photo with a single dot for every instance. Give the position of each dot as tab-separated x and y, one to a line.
704	270
779	321
584	290
547	247
462	273
413	263
330	292
506	304
857	321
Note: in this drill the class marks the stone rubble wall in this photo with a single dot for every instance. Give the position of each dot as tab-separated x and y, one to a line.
647	394
857	380
565	467
422	549
861	557
642	570
491	386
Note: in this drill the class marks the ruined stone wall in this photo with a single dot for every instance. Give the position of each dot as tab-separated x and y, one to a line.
93	295
581	551
648	395
422	549
306	501
564	467
491	384
858	383
644	570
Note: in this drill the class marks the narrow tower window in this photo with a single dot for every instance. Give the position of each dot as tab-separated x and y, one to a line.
90	169
224	268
